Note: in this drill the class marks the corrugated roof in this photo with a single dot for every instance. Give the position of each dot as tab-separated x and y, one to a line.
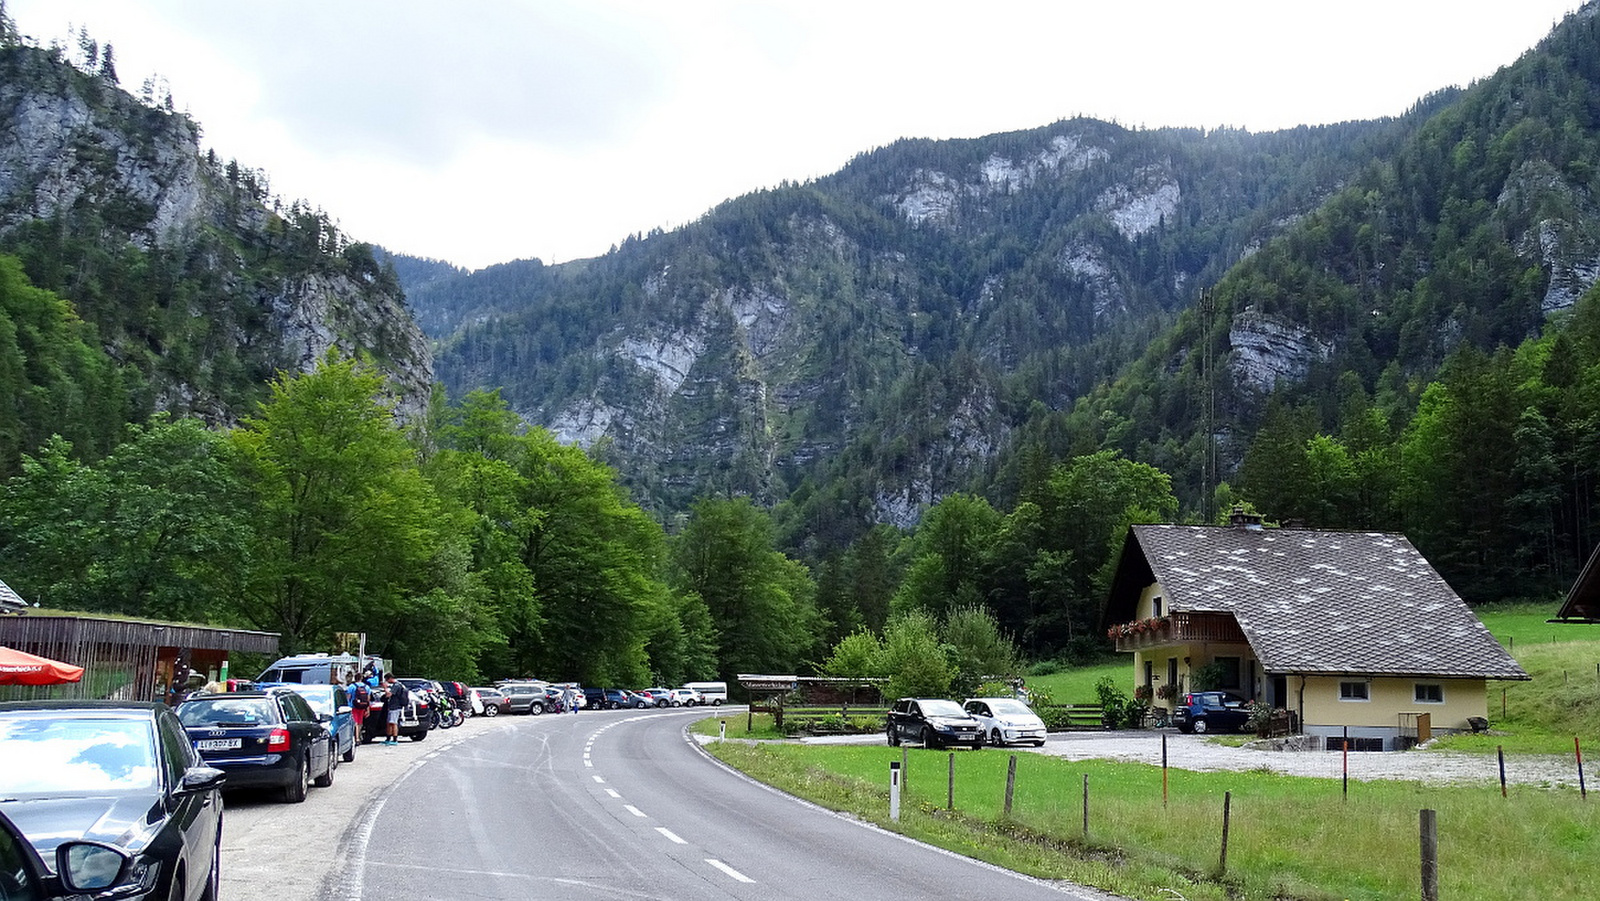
9	598
1326	602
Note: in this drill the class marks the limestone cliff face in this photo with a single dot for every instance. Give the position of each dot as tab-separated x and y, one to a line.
78	151
1268	349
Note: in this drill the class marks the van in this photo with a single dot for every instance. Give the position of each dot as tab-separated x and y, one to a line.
317	669
714	693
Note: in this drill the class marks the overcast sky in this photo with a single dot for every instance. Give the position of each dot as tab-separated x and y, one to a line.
480	132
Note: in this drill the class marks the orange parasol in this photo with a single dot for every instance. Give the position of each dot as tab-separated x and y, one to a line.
19	668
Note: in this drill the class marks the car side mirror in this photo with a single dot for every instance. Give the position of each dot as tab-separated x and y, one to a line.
324	717
85	867
202	778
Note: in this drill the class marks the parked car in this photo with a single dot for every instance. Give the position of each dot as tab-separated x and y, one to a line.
713	693
115	794
268	738
684	697
84	867
639	700
526	697
1005	721
493	701
935	722
332	706
415	721
659	697
1211	711
612	698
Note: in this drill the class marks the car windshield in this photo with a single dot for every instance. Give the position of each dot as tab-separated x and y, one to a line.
1007	707
942	708
226	712
320	697
63	752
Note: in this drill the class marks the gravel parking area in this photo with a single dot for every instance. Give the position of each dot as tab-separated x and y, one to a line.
1203	753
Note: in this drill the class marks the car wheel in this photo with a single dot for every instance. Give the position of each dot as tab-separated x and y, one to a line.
326	779
350	755
533	709
717	703
677	703
1200	725
928	740
491	711
295	791
995	739
419	735
894	737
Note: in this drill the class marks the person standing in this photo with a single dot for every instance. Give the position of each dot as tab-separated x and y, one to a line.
567	700
394	704
360	699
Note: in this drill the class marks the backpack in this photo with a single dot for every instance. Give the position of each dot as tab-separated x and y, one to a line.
360	698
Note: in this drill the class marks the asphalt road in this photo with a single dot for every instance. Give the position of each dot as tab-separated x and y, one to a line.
596	805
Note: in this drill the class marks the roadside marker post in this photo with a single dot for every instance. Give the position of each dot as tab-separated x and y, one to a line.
894	791
722	731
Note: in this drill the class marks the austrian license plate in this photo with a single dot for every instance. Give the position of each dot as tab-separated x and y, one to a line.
216	744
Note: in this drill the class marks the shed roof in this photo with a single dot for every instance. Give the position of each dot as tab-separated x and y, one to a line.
1315	602
1582	604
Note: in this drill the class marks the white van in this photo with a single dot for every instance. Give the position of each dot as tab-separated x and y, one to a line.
318	669
714	693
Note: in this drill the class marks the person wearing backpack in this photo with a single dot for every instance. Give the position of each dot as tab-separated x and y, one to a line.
360	701
394	705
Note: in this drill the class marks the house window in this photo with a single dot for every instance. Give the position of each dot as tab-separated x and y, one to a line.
1353	691
1155	604
1429	693
1230	671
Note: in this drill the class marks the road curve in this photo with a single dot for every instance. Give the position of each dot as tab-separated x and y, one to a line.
614	804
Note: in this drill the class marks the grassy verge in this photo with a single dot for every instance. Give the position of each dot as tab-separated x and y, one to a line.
1290	838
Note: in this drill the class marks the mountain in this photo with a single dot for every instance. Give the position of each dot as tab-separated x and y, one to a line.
927	318
891	323
198	284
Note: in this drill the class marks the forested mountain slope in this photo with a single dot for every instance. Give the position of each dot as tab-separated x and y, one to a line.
885	327
192	281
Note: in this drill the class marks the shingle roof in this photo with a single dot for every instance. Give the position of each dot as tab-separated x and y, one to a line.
1325	602
1583	601
9	598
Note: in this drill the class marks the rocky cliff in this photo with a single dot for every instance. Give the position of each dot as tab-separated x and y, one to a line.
207	286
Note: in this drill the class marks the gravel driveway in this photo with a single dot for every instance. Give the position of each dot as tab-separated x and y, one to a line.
1202	753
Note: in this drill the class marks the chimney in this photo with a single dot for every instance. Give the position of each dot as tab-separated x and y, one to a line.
1239	519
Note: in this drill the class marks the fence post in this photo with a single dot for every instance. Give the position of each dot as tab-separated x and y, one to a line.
905	769
1501	751
1085	806
1227	809
1430	855
1011	782
950	790
1163	769
1577	749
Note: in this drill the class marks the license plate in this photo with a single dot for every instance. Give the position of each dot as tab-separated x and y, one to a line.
217	744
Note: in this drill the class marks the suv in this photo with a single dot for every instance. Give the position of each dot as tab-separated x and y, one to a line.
935	722
1205	711
526	697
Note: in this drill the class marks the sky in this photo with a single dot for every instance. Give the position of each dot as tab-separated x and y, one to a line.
482	132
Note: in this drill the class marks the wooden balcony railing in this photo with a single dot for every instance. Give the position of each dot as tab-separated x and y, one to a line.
1178	628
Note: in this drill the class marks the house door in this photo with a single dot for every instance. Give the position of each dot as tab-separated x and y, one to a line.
1280	692
1150	675
1172	674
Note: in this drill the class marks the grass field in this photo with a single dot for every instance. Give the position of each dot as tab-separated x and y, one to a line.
1291	839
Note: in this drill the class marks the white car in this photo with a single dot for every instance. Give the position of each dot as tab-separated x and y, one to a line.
1006	721
685	697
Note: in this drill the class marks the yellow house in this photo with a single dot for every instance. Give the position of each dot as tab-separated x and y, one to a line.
1354	633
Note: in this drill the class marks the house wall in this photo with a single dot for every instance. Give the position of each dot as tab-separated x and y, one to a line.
1379	716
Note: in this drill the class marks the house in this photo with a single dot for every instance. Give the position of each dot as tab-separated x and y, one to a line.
1347	630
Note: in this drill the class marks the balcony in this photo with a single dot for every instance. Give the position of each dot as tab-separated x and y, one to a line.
1176	629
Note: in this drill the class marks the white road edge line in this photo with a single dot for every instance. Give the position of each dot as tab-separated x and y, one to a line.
729	870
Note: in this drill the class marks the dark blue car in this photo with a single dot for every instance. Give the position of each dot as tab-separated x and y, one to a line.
268	738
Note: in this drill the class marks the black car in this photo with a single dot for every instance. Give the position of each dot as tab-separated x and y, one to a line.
1211	711
269	738
85	867
115	794
415	720
935	722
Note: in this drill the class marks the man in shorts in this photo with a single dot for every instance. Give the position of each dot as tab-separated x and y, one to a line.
394	704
